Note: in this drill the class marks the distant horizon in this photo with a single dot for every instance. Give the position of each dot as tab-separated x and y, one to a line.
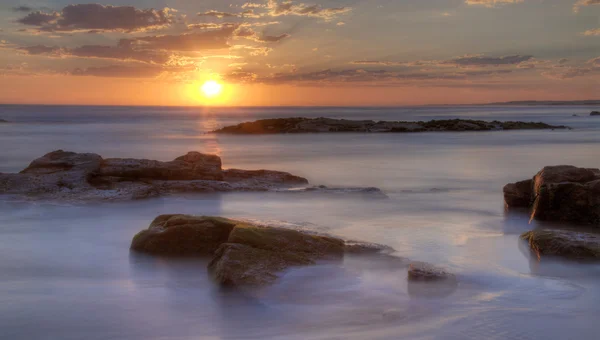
586	102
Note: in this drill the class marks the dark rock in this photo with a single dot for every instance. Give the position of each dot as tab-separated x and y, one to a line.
328	125
242	265
244	254
262	177
568	244
421	271
287	240
193	166
71	176
559	193
355	247
3	121
183	235
518	194
595	113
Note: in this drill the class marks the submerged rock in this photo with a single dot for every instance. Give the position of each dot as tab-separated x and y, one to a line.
3	121
559	193
244	254
421	271
595	113
62	175
321	125
568	244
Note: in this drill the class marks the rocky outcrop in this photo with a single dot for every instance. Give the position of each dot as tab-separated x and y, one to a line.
321	125
559	193
62	175
568	244
595	113
243	254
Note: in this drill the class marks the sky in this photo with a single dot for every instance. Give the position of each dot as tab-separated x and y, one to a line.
277	52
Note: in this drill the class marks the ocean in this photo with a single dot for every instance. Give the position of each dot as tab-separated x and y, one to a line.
67	272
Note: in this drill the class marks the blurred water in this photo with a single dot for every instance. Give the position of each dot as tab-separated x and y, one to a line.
67	272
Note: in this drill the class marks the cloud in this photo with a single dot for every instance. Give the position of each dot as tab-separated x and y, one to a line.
210	40
41	49
249	33
491	3
465	61
218	14
22	9
276	8
468	61
116	71
567	73
582	3
100	18
348	76
122	52
594	62
592	32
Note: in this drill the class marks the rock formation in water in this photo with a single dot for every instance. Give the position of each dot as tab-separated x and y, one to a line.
559	193
315	125
62	175
243	254
564	243
3	121
595	113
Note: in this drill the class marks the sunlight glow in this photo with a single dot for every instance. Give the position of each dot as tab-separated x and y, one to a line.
211	88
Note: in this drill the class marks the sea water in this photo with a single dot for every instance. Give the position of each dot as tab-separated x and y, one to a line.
66	271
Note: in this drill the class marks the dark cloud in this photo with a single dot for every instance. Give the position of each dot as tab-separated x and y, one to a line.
122	52
100	18
488	61
39	18
116	71
466	61
209	40
22	9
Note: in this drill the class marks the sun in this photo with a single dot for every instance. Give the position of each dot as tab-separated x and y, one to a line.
211	88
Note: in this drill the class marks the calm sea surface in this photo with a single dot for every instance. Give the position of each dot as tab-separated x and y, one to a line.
66	271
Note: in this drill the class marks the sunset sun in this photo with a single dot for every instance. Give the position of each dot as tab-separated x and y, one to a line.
211	88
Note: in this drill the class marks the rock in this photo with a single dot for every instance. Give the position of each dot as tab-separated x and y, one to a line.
568	244
559	193
244	254
287	240
327	125
3	121
421	271
183	235
241	265
192	166
518	194
356	247
245	178
77	177
595	113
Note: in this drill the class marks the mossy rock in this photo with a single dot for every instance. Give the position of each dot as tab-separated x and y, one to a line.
567	244
183	235
286	240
